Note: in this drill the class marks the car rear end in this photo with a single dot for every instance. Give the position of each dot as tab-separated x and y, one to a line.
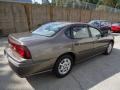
19	56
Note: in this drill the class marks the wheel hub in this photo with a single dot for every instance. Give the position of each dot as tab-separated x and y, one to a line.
64	66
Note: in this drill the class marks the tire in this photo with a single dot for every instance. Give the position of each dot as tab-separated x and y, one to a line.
109	49
63	66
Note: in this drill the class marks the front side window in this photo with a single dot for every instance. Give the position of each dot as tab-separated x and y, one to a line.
80	32
94	32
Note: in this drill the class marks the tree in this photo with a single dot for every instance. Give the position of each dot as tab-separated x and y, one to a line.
45	2
90	1
118	4
111	3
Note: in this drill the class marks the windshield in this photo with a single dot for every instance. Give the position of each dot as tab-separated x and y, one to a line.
49	29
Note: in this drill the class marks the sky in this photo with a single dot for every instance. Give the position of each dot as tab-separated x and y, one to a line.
39	1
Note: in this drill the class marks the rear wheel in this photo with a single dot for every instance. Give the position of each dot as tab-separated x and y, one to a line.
109	48
63	66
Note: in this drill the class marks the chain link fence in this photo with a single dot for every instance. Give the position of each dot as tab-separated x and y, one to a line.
86	5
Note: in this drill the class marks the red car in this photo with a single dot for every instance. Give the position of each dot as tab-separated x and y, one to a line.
115	27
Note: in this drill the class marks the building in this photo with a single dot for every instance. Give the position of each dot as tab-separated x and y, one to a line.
21	1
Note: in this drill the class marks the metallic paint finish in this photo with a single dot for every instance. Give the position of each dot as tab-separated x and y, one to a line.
46	50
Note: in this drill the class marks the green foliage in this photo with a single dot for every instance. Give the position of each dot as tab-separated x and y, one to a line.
111	3
91	1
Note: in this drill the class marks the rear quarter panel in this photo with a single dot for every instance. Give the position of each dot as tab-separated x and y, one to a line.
51	48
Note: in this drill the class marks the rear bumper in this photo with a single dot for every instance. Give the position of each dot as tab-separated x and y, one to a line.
21	71
24	69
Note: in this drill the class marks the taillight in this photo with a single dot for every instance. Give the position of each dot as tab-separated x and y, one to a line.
20	49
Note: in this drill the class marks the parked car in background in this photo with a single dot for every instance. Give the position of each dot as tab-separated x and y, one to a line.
115	27
104	25
55	46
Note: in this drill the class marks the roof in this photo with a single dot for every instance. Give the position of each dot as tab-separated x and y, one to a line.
100	20
62	22
66	22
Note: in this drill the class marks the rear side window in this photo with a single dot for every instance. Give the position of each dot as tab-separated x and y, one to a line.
80	32
94	32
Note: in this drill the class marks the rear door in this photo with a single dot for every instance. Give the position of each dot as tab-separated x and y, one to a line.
100	42
82	41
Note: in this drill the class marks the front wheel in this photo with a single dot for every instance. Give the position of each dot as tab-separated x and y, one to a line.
109	48
63	66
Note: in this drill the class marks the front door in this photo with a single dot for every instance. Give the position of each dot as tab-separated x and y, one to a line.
100	42
82	41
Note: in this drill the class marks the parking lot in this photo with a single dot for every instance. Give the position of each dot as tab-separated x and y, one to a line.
99	73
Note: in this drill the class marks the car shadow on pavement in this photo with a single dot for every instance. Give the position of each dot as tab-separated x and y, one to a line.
9	80
84	76
5	75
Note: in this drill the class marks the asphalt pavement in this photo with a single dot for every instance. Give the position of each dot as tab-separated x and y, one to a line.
98	73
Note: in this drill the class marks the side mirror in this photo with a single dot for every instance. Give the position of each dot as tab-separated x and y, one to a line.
105	33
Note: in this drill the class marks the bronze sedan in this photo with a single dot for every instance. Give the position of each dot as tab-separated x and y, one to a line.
55	46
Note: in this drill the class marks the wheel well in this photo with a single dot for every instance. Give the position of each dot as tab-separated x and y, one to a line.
112	41
69	53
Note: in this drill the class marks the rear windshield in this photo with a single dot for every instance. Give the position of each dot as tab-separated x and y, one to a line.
49	29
